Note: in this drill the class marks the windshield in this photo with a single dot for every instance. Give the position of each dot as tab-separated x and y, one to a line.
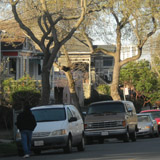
143	119
106	108
50	114
154	114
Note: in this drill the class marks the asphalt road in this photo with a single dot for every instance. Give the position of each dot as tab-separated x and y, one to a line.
112	149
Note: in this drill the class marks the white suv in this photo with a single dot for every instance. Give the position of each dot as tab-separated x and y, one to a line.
58	126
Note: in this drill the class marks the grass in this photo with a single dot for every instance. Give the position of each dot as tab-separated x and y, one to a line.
8	149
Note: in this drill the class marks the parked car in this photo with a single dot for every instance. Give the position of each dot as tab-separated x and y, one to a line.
58	126
147	126
155	113
110	119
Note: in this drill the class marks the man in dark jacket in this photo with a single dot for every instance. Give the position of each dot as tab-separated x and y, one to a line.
26	124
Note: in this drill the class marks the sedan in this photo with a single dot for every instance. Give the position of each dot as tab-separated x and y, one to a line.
155	113
147	126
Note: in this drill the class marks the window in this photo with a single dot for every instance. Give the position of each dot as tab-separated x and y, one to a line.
69	113
54	114
12	65
106	108
75	114
108	61
143	119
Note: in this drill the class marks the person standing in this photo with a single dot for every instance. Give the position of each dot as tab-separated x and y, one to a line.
26	123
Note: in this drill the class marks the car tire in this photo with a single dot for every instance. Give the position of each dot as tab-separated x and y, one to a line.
157	134
101	140
133	136
152	133
68	148
81	145
88	140
37	151
126	137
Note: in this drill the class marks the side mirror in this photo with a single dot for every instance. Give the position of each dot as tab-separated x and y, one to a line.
84	114
154	121
130	109
72	119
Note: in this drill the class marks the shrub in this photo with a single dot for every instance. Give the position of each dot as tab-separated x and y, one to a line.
26	83
95	97
103	89
25	99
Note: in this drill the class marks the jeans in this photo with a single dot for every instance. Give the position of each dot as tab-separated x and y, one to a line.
26	137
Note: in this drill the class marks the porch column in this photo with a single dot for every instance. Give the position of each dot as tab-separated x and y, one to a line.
17	68
27	65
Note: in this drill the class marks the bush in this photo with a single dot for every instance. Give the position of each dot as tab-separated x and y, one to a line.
103	89
25	99
10	86
95	97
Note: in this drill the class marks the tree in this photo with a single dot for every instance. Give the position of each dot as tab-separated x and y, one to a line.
68	69
139	78
128	17
155	54
55	21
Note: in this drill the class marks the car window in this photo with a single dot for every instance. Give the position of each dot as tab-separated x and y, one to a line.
155	114
69	113
144	119
106	108
75	113
51	114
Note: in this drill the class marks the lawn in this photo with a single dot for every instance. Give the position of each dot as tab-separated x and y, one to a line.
8	149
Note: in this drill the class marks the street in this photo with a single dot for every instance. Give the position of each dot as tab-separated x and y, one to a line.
112	149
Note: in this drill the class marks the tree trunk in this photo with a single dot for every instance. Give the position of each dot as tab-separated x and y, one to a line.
72	90
115	82
45	87
116	70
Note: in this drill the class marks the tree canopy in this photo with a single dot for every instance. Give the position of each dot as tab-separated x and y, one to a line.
138	77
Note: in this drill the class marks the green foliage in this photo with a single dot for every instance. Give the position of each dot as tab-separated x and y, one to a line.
26	98
8	149
103	89
139	77
26	83
95	97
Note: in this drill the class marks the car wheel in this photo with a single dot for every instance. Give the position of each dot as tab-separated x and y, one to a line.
157	134
37	151
101	140
68	148
133	136
152	133
88	140
126	137
81	145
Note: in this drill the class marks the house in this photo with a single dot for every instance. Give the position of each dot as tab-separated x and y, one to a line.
98	67
22	59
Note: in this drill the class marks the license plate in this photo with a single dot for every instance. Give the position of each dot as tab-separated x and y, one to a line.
104	133
38	143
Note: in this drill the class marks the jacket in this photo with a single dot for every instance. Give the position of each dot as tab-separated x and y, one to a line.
26	121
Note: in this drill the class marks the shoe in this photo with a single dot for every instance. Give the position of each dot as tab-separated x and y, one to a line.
26	156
